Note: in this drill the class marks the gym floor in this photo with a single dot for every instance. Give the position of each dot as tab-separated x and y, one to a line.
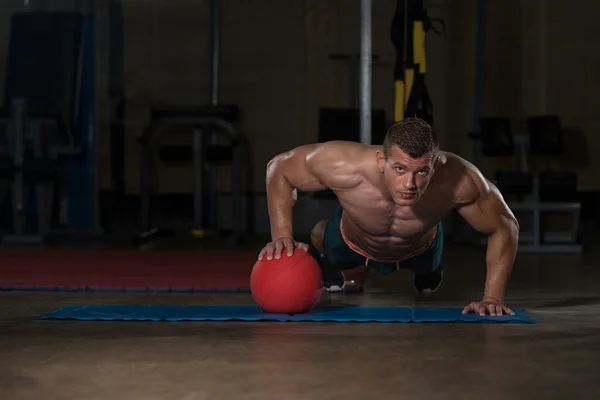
557	358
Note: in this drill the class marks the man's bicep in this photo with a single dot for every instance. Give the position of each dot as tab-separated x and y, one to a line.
488	212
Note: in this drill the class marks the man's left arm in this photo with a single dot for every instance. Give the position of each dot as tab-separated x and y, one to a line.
489	214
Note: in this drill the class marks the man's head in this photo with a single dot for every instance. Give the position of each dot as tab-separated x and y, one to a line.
408	159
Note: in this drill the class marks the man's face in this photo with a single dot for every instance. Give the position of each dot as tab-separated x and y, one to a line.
406	178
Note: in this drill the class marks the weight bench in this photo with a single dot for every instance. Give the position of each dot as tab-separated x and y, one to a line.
39	113
202	120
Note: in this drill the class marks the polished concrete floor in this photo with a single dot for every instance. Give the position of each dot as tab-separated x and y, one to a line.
559	358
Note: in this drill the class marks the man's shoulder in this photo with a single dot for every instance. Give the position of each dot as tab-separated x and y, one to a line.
340	164
344	145
459	166
469	183
455	160
346	155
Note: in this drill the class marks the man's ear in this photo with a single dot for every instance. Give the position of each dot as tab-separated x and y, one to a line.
437	160
380	159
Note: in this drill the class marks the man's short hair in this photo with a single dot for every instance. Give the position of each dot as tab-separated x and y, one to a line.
413	136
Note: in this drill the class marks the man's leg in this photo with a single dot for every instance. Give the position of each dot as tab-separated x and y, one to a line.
317	235
427	267
333	279
331	251
429	282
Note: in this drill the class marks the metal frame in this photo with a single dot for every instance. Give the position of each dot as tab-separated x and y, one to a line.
24	132
536	241
366	50
211	137
200	126
19	129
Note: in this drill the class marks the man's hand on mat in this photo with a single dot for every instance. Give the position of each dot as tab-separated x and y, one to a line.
275	248
487	306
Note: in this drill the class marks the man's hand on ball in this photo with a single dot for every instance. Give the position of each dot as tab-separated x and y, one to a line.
487	306
276	247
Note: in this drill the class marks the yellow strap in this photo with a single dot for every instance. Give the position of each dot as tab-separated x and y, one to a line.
399	109
419	46
403	93
404	87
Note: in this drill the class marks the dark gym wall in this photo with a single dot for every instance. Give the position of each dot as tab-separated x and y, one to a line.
572	79
539	58
275	66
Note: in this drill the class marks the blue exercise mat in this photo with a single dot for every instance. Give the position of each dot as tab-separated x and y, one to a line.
163	313
355	314
425	314
254	313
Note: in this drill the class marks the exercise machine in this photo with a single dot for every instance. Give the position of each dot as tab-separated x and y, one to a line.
46	109
219	120
535	194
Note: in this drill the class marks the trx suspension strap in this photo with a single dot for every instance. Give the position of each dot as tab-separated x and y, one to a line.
409	27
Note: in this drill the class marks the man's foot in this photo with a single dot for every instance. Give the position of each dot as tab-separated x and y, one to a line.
429	282
334	280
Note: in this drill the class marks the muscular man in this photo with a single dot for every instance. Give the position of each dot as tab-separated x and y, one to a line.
392	199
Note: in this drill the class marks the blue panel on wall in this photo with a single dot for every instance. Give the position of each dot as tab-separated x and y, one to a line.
81	175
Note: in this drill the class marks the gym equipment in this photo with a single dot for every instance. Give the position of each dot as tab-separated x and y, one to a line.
288	285
410	25
548	191
212	119
208	124
253	313
133	271
47	118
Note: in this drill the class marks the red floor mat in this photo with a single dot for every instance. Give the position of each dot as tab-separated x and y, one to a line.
127	270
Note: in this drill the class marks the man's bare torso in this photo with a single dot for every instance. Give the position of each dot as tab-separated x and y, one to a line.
386	231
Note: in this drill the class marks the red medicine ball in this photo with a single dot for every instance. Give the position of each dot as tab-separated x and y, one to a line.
289	285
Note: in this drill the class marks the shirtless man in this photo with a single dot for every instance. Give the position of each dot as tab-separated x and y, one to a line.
392	199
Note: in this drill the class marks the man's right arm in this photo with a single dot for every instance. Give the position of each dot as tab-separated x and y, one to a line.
307	168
